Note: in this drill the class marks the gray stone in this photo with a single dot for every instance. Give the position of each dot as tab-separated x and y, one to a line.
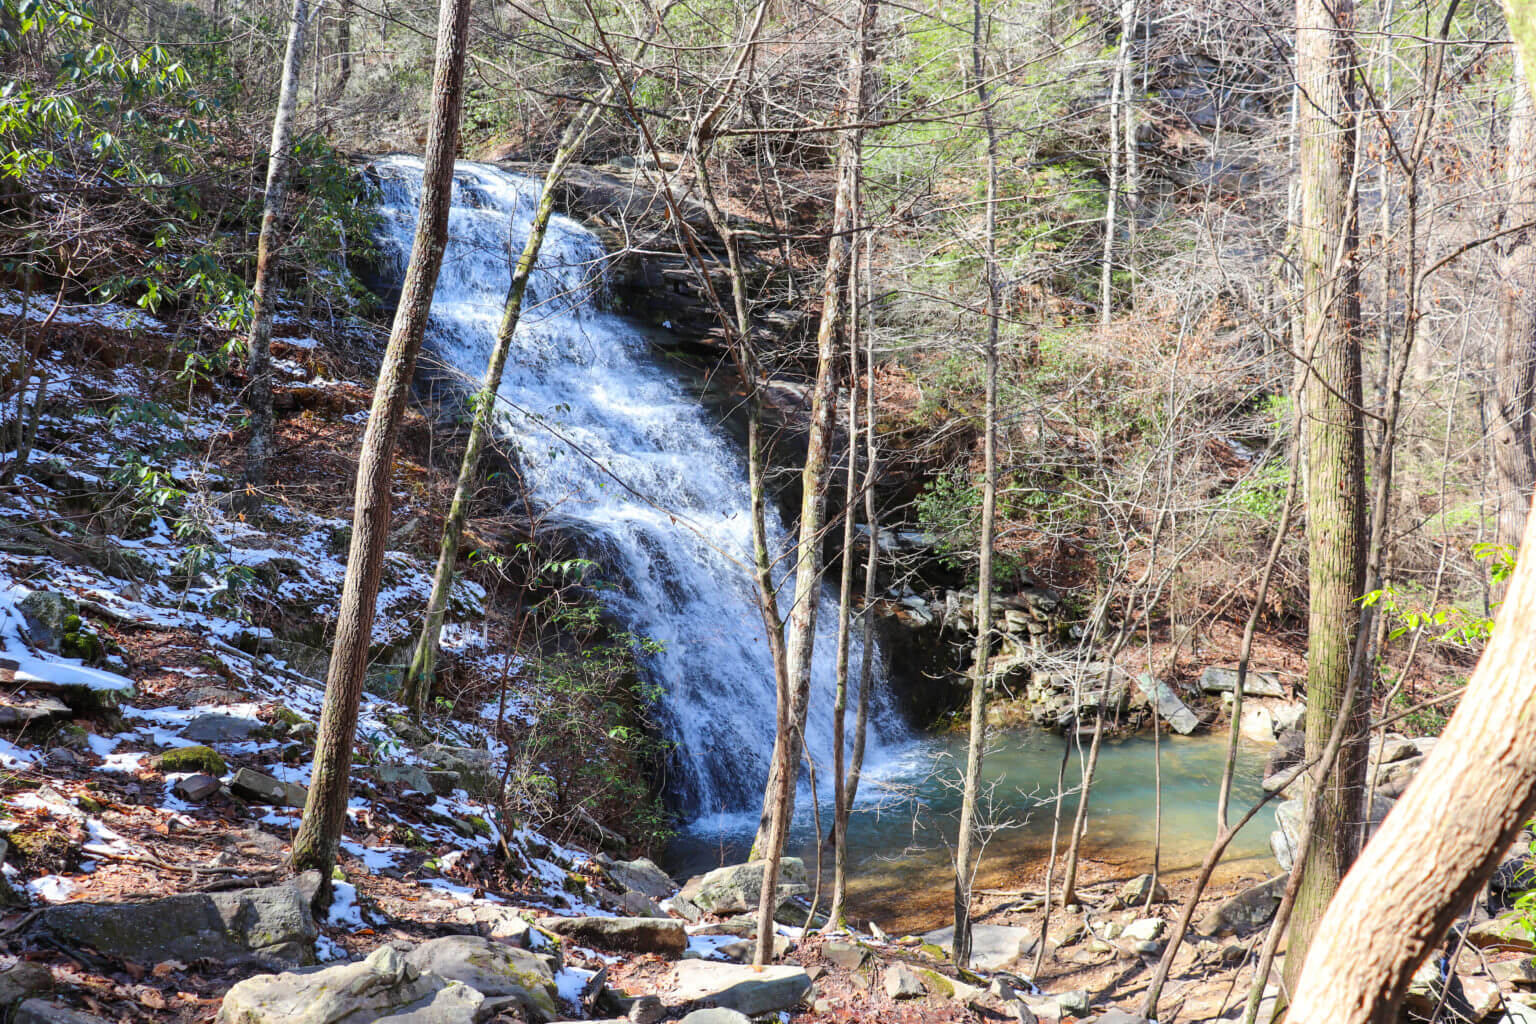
1144	929
715	1015
22	980
848	955
1520	973
269	924
385	988
1516	1012
252	785
1223	679
1169	707
504	974
633	934
1118	1016
475	767
16	709
1248	910
646	1009
39	1011
219	728
993	946
1134	893
196	788
744	989
1392	748
737	888
1394	777
640	875
902	982
1289	717
1282	841
493	922
406	776
1075	1003
743	951
48	617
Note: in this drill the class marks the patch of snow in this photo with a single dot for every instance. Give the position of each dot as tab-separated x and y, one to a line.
571	982
129	762
326	949
51	888
345	911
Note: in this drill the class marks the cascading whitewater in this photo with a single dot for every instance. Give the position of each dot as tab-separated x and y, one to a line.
610	441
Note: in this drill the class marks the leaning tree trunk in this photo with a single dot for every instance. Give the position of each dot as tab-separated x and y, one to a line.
1335	446
258	394
417	687
1425	865
800	639
1510	413
325	812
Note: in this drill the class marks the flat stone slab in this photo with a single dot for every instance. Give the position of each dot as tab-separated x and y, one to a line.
993	946
220	728
1169	707
1223	679
744	989
635	934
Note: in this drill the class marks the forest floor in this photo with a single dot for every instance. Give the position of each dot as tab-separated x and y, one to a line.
200	635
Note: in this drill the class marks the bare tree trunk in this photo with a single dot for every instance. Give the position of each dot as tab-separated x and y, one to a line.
258	394
800	640
1335	445
1118	123
343	50
967	849
1510	412
840	802
325	811
417	686
871	582
1424	865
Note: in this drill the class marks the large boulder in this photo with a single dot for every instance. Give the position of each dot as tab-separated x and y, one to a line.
476	768
1248	911
385	987
641	876
737	888
505	975
748	990
993	946
633	934
1282	841
271	924
220	728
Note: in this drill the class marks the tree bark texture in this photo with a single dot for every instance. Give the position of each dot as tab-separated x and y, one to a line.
258	394
1510	413
325	811
1447	834
1335	443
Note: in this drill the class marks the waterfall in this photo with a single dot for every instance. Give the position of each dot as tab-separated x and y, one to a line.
610	441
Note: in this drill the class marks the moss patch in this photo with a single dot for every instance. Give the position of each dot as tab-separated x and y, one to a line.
191	759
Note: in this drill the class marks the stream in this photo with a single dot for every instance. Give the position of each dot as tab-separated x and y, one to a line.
902	830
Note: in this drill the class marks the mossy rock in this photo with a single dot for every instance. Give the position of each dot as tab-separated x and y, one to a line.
191	759
45	850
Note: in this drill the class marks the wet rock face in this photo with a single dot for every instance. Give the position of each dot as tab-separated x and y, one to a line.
270	924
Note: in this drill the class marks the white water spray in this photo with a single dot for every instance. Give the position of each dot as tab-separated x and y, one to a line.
610	441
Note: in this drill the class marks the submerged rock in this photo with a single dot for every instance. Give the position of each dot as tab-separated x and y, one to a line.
270	924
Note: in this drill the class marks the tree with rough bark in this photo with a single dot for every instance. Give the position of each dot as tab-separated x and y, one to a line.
1424	865
1512	403
258	396
325	810
800	635
1335	466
